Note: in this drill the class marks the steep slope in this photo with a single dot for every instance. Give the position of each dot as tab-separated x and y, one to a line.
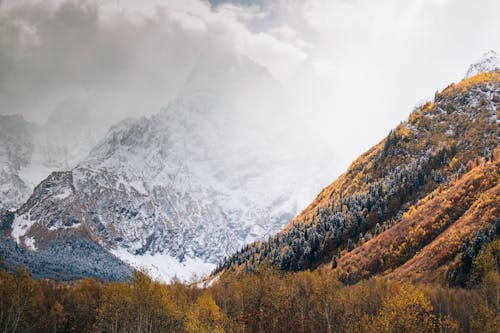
425	243
29	153
16	148
180	190
63	257
440	142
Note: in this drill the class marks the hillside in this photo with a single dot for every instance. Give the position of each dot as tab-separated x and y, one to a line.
424	245
405	206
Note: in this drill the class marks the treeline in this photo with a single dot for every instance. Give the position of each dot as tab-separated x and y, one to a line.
346	221
263	301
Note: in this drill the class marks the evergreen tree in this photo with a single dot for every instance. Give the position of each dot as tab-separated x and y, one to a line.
350	245
334	262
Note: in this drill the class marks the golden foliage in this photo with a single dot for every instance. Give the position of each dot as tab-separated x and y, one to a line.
205	316
408	310
264	301
472	81
431	232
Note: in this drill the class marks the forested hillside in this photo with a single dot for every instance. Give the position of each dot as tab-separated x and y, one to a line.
424	245
406	206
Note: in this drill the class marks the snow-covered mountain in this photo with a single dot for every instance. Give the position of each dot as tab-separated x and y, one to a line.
30	152
223	165
488	62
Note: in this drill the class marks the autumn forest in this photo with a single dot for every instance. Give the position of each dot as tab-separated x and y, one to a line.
263	301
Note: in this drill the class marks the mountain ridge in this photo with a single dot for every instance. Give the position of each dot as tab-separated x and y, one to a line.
439	142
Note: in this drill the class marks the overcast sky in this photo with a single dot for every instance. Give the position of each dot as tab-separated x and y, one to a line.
354	69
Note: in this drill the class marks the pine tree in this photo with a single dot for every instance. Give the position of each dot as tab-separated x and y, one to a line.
350	245
334	262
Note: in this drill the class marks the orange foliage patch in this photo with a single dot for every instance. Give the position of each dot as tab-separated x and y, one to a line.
423	244
472	81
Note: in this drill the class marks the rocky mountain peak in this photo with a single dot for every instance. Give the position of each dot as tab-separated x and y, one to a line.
488	62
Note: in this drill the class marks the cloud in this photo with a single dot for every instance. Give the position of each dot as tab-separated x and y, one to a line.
348	64
124	58
370	62
51	53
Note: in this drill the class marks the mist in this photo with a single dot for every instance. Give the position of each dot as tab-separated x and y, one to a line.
352	70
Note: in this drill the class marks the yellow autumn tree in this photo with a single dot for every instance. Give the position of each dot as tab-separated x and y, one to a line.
408	310
205	316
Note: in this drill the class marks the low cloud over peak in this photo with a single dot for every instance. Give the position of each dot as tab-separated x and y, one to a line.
128	58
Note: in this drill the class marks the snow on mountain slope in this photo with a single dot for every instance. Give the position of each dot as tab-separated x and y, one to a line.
488	62
16	147
225	164
29	153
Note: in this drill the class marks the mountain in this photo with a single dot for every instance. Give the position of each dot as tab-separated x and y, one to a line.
30	152
409	205
174	193
425	243
489	62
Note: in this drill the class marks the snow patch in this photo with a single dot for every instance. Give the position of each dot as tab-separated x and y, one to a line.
164	268
209	282
20	226
64	194
30	243
487	63
139	187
